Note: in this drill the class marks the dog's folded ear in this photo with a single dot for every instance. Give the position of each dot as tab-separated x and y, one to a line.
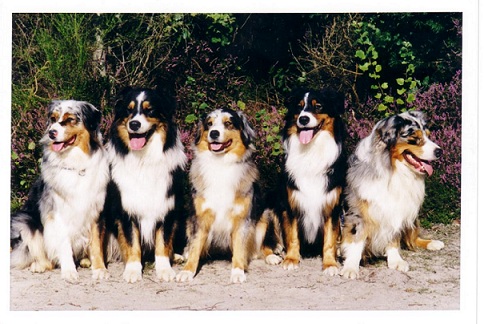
333	100
388	129
91	116
167	102
248	134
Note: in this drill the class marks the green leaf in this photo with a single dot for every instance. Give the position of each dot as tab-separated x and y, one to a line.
374	87
382	107
400	81
31	146
14	156
388	99
378	68
413	84
191	118
401	91
360	54
384	85
364	67
410	98
400	101
378	96
241	104
203	105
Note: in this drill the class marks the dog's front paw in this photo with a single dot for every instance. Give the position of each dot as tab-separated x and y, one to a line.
290	263
99	274
435	245
400	265
273	259
350	273
331	271
185	275
237	276
167	274
69	275
132	272
39	267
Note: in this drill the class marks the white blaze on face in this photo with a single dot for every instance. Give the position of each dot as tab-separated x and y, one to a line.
306	128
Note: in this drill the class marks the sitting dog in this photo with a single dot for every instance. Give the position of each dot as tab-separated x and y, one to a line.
307	208
144	205
385	190
58	225
224	180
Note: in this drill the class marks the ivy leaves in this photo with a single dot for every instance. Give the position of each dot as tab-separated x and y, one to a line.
369	64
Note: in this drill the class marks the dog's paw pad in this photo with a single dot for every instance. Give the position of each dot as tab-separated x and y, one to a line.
273	259
399	265
290	264
69	275
435	245
237	276
331	271
166	274
99	274
132	272
184	276
349	273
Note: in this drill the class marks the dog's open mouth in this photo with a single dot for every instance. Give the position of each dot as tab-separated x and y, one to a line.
307	134
137	141
59	146
421	166
219	147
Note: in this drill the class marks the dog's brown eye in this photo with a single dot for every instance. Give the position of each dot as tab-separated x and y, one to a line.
209	124
52	119
228	124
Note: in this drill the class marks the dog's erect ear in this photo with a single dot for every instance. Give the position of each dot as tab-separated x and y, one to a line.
90	115
248	134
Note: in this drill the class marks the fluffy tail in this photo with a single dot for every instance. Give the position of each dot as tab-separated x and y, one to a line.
27	244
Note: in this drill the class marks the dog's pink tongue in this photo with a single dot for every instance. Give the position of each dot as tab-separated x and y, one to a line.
428	168
305	136
57	146
216	146
137	143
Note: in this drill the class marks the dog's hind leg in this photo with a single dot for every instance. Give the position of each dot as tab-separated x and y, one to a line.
412	240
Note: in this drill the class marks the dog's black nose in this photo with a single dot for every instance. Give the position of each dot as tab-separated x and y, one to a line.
134	125
214	134
438	152
304	120
52	134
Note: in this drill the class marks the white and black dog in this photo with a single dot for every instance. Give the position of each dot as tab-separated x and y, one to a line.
385	190
58	224
308	206
224	181
144	205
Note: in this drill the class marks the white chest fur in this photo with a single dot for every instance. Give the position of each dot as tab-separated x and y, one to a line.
144	179
75	192
308	165
218	179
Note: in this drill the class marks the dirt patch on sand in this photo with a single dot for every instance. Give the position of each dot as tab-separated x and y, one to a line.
433	283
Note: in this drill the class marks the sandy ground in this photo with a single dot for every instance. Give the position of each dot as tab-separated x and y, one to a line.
433	283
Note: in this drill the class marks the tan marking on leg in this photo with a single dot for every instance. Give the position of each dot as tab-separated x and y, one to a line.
96	247
291	233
